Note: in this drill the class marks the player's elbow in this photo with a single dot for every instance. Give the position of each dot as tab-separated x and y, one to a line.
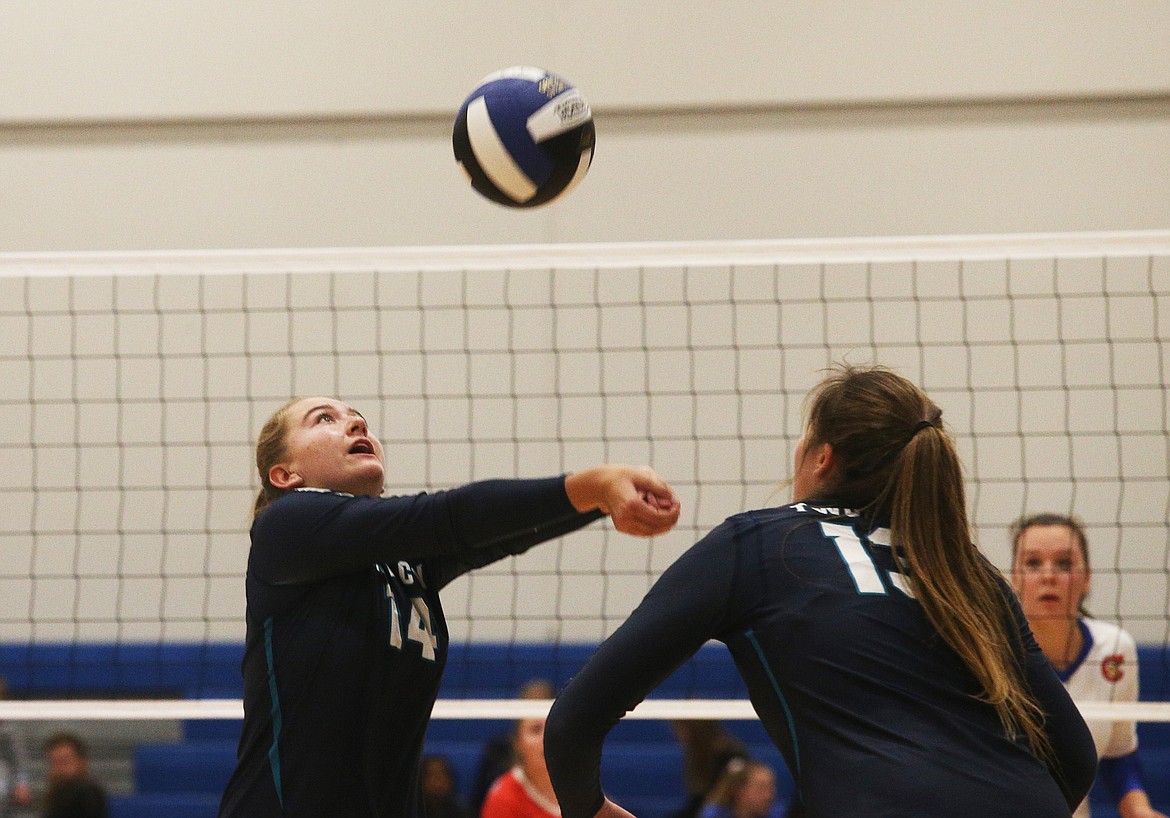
1077	770
558	728
568	739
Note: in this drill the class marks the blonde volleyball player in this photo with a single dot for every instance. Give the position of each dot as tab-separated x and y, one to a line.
1097	661
346	640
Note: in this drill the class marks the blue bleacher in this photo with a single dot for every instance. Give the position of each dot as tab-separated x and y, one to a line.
642	765
139	669
205	766
171	805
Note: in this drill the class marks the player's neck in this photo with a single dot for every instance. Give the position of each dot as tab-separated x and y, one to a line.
540	780
1060	639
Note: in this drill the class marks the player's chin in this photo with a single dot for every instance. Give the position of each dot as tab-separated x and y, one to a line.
370	478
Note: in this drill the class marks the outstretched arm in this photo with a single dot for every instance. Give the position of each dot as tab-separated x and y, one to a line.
636	499
297	538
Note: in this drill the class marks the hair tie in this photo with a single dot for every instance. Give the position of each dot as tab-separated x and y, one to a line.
853	472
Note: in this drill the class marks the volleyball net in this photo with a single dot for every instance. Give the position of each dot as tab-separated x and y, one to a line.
135	385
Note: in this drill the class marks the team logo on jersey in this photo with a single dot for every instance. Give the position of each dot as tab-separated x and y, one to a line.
1111	667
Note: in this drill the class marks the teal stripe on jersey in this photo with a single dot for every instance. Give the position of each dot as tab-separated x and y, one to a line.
751	637
274	750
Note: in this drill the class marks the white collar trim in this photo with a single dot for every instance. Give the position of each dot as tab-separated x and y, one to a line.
323	491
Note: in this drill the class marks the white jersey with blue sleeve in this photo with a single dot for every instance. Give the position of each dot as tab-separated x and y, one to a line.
1106	671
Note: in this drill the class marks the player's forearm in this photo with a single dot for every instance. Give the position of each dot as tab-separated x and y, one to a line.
636	499
601	488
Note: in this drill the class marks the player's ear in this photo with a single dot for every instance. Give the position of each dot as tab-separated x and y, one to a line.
280	477
825	462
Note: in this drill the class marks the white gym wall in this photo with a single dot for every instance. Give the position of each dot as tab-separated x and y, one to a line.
215	124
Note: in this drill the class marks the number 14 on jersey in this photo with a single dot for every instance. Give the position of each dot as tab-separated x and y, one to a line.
413	608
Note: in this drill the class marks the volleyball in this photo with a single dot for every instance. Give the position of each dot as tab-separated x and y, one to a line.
524	137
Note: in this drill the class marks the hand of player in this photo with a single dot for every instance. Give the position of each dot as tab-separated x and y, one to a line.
611	810
1136	804
636	499
1148	812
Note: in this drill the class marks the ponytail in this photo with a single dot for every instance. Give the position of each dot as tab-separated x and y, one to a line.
956	585
270	450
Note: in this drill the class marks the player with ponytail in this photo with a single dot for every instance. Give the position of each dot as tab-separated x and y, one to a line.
887	658
896	463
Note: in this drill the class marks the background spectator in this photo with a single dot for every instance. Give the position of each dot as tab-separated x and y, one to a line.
498	752
707	748
438	789
525	791
72	792
14	778
745	789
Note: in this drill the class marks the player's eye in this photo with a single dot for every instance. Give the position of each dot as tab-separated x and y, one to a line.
326	417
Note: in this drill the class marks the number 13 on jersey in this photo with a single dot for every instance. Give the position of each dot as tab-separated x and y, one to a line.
866	574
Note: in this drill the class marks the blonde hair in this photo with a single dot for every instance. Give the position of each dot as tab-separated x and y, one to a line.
896	462
271	448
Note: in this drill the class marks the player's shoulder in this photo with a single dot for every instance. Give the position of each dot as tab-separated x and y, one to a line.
1108	636
305	496
794	514
315	498
293	509
790	520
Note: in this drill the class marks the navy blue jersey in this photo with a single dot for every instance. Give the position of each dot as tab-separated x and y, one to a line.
874	714
346	640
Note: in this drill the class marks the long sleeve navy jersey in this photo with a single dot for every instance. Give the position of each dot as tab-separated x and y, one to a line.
346	640
873	713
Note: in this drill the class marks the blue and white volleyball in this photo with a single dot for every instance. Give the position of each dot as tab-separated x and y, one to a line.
524	137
